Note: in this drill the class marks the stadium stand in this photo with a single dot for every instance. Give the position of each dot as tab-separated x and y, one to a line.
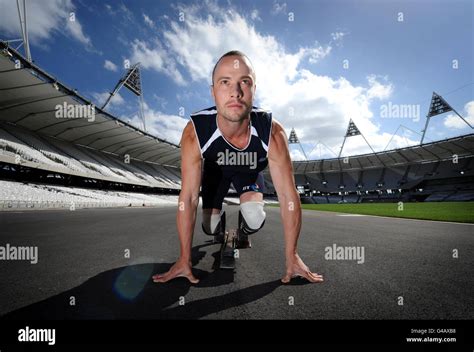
104	153
16	195
108	161
437	171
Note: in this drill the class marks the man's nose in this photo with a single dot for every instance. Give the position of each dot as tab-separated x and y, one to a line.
236	91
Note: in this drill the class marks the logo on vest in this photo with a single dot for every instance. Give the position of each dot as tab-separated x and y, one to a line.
237	158
253	187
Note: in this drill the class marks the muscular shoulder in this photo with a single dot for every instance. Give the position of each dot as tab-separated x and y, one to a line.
188	133
278	145
278	132
277	128
189	143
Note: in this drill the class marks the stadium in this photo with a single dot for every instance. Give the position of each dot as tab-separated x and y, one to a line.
64	153
98	197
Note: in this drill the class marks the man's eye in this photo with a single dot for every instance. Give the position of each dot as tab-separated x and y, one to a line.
224	82
246	82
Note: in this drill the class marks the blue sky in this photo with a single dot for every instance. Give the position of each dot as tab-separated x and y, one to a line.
318	63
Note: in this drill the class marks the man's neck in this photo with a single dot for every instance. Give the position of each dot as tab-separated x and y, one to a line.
231	129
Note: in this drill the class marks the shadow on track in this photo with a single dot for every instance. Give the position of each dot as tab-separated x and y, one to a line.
129	293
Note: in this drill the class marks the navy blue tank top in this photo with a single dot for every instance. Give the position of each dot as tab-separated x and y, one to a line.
218	152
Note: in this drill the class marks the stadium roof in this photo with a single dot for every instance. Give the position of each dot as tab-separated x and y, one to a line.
28	99
29	96
462	146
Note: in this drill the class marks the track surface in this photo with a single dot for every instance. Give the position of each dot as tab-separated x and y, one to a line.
82	259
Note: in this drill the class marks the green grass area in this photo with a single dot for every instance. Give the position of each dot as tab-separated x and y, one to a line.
443	211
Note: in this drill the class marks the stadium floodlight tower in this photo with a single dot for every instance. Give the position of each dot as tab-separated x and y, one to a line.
21	5
352	131
24	28
131	80
439	106
293	139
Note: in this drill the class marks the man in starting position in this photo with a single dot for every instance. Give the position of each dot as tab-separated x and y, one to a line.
235	141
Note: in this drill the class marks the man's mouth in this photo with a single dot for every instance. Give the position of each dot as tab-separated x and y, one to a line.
235	105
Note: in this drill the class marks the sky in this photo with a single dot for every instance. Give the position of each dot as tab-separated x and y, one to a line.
318	63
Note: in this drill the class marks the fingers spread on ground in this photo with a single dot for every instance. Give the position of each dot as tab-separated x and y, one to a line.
316	275
162	280
161	277
315	278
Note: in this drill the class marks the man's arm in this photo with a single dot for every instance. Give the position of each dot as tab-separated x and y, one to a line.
281	170
191	164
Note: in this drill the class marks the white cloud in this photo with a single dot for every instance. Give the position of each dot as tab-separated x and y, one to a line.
101	98
109	65
156	59
278	8
160	100
164	126
337	35
296	153
318	107
377	89
148	21
122	11
45	19
254	15
337	38
193	96
74	27
189	42
453	121
126	13
317	53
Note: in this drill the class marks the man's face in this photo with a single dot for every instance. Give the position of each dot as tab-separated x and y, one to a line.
233	88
